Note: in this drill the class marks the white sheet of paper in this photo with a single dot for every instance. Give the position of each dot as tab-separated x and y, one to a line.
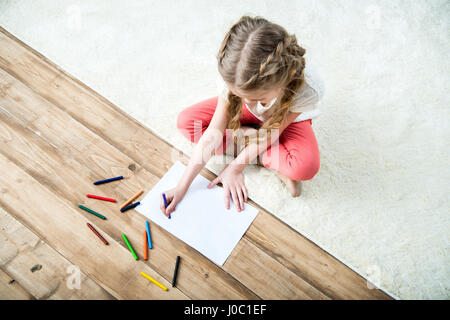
200	219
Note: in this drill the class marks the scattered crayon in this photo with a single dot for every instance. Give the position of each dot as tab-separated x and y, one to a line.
131	199
108	180
91	211
153	280
100	198
129	246
149	238
131	206
97	233
175	272
145	246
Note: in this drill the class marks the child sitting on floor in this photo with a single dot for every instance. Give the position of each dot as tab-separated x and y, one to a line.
268	96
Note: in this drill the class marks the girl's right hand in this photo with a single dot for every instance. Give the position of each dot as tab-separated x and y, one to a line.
173	197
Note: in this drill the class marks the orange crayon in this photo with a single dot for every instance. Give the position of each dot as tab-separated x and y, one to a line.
131	199
145	246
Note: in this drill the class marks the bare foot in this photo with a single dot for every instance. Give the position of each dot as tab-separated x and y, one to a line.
294	187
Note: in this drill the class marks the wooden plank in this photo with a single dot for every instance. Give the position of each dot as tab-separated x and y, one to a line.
111	266
83	103
40	269
322	270
11	289
34	70
251	266
33	116
53	164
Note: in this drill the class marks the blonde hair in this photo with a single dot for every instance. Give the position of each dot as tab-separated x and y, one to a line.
259	55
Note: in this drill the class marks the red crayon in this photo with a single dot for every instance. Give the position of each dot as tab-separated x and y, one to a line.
100	198
96	233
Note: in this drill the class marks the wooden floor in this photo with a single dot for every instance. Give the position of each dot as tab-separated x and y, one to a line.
57	136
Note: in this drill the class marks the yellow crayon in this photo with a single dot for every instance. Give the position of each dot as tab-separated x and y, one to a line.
153	280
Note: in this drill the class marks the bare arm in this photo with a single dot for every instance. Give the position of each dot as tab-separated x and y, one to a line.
208	142
232	177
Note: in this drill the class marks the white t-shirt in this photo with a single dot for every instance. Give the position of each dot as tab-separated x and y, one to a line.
306	100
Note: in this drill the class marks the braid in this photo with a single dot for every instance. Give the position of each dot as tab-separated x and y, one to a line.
269	59
286	52
292	46
234	111
223	47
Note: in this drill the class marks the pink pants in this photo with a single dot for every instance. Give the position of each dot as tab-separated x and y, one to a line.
297	153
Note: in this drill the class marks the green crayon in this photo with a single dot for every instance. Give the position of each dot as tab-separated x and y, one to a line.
129	246
92	211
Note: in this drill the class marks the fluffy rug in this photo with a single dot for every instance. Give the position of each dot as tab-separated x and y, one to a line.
380	202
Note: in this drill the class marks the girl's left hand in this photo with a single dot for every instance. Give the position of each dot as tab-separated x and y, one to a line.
232	180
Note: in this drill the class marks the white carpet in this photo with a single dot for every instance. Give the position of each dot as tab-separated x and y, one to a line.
380	202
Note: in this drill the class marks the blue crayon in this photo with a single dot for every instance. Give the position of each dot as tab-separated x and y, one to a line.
147	226
131	206
108	180
165	203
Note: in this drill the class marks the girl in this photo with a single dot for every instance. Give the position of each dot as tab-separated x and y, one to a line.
267	99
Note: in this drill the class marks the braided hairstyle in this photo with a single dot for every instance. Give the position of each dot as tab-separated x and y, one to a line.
259	55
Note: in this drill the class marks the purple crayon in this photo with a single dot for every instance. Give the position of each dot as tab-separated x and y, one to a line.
108	180
165	203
